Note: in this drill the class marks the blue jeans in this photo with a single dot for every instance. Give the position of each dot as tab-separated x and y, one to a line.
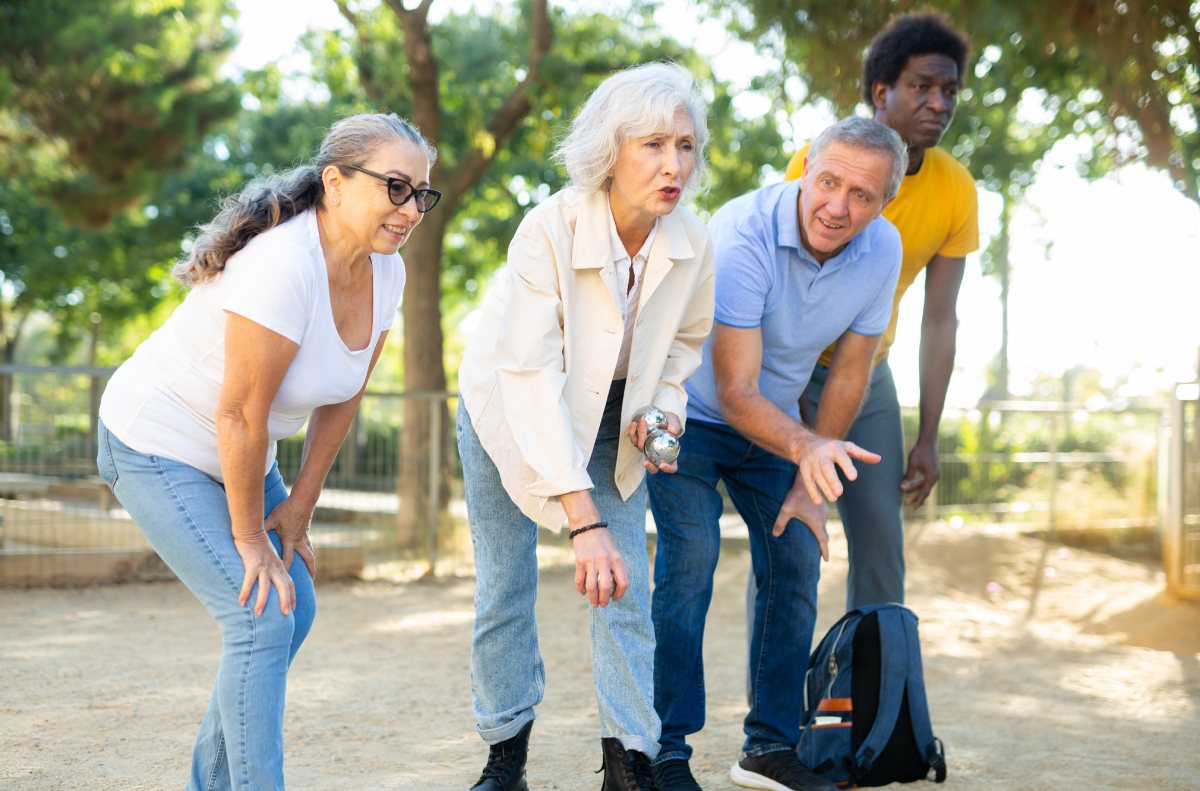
507	673
184	515
870	506
786	568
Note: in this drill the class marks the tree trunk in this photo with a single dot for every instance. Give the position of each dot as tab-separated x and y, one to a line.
8	355
423	372
423	366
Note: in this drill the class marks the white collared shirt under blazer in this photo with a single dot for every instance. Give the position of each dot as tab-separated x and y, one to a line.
540	361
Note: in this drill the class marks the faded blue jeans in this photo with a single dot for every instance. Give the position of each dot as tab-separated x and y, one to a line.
507	673
786	569
870	506
184	515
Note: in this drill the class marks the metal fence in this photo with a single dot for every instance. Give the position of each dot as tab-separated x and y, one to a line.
1181	493
1048	466
59	524
1043	466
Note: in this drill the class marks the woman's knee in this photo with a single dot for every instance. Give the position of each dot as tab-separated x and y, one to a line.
304	614
272	630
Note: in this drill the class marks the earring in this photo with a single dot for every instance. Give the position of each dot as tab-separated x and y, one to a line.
335	200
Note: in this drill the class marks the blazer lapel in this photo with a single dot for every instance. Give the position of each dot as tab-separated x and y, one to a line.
591	248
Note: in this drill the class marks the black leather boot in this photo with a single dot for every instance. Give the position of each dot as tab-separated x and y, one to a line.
505	770
625	770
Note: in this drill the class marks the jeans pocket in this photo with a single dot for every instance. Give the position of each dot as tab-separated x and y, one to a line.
104	458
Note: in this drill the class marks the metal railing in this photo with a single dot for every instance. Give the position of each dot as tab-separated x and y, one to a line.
1181	493
1047	465
1044	466
59	524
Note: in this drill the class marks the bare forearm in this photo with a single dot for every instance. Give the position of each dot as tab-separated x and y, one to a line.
242	448
326	432
765	424
846	384
840	402
580	507
937	365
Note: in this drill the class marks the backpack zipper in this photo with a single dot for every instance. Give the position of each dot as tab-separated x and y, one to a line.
832	665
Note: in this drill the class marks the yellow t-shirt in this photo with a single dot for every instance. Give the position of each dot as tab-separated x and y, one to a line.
936	212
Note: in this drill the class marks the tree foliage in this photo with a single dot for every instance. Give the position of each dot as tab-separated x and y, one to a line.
105	103
108	96
1124	75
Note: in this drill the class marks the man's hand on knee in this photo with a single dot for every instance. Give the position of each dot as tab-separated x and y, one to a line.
798	505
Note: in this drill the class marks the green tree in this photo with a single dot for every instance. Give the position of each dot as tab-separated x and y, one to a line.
101	102
112	94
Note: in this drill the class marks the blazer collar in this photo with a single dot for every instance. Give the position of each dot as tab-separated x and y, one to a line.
591	248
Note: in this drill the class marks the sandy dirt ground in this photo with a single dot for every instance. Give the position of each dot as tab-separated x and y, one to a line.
1071	670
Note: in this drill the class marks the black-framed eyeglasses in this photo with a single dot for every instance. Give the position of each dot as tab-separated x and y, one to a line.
401	192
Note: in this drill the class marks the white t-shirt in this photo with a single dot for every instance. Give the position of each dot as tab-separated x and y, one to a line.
162	401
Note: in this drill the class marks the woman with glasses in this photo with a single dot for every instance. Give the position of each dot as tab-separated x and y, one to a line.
602	308
294	285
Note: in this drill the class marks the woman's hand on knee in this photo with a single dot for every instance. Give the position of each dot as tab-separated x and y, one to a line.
263	566
600	572
291	521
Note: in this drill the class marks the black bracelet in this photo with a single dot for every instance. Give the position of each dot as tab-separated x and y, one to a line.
586	528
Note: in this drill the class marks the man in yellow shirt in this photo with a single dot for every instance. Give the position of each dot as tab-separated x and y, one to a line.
911	77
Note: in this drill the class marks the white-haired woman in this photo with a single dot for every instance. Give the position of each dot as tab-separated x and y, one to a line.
603	307
294	286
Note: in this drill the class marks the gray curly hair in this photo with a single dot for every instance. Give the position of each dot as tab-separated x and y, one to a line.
641	100
265	203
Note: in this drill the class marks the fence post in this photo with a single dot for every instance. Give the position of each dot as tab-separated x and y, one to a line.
435	469
1052	494
1181	527
985	449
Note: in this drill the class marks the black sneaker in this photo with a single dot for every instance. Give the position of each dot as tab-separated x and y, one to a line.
625	770
674	775
505	770
780	770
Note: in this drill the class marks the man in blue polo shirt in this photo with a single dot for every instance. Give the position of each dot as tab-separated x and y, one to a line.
799	265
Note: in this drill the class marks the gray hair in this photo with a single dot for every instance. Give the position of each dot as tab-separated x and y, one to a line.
871	135
638	101
265	203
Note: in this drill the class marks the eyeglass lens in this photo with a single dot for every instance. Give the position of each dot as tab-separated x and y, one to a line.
399	192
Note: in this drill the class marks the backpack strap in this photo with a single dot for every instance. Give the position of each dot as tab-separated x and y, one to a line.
918	706
894	653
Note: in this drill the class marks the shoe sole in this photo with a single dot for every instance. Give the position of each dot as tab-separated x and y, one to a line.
748	779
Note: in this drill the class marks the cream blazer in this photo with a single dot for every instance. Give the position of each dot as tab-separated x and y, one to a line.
539	363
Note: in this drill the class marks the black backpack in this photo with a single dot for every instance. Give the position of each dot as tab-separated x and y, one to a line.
866	721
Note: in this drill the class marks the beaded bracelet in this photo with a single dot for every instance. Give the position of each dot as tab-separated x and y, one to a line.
586	528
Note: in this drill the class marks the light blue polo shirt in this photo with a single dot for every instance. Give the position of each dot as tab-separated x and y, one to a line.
766	279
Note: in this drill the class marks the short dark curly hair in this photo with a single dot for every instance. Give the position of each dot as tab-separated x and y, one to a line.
906	35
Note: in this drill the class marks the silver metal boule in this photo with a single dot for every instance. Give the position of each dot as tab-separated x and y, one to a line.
661	448
656	419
